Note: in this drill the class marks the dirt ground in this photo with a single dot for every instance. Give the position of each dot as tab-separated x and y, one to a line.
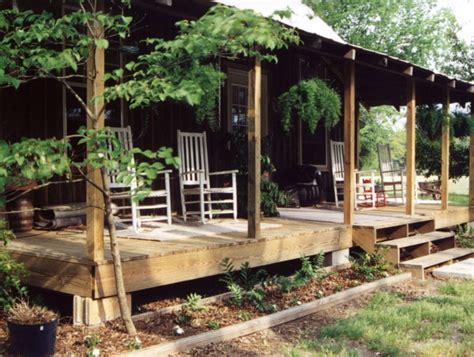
275	341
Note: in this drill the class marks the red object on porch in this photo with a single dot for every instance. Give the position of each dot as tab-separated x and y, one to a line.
380	196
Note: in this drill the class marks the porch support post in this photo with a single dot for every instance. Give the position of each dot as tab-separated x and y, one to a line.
471	165
254	128
95	202
349	141
410	169
445	153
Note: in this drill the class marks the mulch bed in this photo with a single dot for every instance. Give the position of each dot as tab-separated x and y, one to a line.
159	329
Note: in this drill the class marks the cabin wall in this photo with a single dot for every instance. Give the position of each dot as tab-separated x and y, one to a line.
36	110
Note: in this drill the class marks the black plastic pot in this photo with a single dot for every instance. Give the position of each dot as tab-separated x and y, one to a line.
32	340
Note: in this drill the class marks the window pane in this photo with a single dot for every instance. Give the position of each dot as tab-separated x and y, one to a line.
239	106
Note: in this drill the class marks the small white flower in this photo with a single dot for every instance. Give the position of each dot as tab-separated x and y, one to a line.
178	331
96	352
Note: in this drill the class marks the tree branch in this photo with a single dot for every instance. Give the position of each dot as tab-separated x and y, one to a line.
39	187
78	98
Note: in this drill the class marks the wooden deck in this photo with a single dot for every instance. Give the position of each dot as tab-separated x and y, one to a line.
386	216
453	216
58	261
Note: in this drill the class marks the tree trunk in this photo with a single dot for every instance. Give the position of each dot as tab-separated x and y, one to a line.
121	293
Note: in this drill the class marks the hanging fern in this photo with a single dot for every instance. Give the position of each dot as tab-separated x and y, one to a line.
310	100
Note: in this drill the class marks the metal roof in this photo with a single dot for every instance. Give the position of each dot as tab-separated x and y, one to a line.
302	18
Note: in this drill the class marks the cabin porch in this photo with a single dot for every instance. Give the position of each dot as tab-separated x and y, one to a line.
57	260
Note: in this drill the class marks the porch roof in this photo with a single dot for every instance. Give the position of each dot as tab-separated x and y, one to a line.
390	71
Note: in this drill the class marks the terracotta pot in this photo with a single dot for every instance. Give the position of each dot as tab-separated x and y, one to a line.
22	220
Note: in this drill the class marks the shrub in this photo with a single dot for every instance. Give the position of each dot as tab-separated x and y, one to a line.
6	235
193	303
464	237
22	312
11	274
371	265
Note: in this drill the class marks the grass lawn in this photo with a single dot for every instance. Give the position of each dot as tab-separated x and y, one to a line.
441	324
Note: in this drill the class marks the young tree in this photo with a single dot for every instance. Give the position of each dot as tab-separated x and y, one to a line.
41	46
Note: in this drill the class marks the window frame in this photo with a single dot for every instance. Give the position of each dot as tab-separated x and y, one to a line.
239	77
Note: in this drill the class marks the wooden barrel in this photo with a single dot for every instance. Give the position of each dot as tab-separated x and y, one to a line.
22	219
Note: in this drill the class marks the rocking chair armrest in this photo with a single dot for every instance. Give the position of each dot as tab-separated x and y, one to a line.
191	172
394	171
229	172
164	172
364	171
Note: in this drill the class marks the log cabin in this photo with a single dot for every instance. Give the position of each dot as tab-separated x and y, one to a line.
79	263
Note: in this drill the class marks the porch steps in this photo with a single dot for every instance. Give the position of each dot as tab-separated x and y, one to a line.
368	236
417	245
418	265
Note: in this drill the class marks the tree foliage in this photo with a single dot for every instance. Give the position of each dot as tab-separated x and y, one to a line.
41	160
185	68
414	30
380	126
429	125
311	100
41	45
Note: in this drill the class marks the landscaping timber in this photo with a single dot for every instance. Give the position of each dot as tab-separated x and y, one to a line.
265	322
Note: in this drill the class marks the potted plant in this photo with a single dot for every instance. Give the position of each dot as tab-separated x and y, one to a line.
32	329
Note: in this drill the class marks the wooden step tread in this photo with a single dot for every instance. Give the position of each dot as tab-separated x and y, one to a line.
416	239
438	258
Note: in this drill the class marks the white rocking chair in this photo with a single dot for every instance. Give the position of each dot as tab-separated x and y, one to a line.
364	192
123	192
390	176
194	179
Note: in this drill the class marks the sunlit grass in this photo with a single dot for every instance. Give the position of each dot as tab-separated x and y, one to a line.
436	325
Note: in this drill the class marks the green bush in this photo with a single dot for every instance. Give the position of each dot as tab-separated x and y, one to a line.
6	234
371	266
11	274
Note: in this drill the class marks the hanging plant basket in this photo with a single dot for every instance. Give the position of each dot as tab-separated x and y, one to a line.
311	100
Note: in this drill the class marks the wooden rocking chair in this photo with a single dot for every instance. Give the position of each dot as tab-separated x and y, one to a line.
365	195
123	193
194	179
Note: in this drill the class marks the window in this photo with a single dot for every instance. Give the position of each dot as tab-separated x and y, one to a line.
237	94
239	106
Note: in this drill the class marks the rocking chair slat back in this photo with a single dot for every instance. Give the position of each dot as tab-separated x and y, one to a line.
192	150
385	158
337	160
124	136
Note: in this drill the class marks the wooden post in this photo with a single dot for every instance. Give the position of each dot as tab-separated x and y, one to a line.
471	168
445	153
349	141
254	126
95	201
410	168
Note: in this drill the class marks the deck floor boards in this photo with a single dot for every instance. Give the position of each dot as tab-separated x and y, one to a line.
71	244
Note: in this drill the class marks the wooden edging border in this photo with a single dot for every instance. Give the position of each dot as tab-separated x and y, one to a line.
265	322
215	298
